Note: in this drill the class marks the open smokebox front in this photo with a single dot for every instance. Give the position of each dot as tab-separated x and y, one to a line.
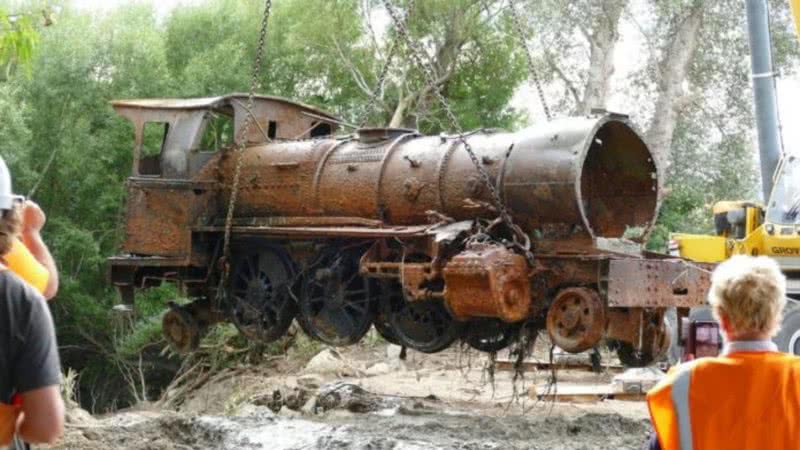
618	183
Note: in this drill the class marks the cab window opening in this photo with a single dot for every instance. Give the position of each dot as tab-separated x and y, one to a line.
320	129
154	134
217	132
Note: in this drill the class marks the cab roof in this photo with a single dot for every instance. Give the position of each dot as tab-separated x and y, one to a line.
210	102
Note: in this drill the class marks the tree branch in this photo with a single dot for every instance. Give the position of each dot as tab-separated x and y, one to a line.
357	75
365	11
561	75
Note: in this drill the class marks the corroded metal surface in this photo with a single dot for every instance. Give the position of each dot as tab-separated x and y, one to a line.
414	278
573	178
323	231
184	325
158	212
643	328
403	206
656	283
488	281
576	320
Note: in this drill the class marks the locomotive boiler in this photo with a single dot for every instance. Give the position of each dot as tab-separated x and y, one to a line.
388	228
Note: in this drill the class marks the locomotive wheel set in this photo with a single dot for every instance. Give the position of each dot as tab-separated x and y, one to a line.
392	229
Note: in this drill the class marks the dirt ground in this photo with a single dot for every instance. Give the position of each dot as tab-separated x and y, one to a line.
365	397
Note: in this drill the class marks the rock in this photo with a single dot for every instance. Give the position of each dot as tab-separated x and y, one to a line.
78	416
310	408
349	397
92	435
380	368
638	380
327	361
393	352
250	410
563	357
287	412
309	381
297	398
274	400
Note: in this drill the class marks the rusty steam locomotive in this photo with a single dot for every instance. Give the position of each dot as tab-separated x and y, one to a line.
392	229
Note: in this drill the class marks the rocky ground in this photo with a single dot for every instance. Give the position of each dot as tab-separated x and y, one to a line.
365	397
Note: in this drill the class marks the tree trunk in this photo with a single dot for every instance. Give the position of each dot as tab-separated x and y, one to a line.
399	115
602	40
678	52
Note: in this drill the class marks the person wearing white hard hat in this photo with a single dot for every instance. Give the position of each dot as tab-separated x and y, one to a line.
28	256
31	409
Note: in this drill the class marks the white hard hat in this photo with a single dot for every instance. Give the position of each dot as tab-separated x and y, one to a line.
7	197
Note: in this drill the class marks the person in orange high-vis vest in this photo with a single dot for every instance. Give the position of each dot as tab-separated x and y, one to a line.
749	396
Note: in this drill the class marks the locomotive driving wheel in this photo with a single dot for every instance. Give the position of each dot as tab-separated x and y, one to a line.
335	305
261	307
389	292
576	319
423	325
655	344
490	335
180	329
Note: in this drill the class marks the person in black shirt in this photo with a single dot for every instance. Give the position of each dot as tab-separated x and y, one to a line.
29	365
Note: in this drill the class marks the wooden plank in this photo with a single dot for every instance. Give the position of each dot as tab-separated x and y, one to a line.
529	366
583	393
592	398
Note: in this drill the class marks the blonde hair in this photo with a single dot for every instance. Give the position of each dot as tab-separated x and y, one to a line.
750	292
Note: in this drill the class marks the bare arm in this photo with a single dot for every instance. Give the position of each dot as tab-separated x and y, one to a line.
36	370
32	223
42	419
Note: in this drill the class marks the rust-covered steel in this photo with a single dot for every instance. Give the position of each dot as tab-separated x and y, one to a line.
488	281
577	319
590	176
655	283
158	211
410	214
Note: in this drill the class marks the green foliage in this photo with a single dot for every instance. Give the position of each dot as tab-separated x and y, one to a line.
18	39
713	152
141	334
64	142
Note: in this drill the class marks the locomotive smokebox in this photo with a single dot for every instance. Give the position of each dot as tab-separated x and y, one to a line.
588	176
589	173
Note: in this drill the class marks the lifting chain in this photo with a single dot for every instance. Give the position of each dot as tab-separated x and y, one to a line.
519	30
373	100
427	69
242	144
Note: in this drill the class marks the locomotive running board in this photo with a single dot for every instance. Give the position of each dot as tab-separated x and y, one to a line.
311	232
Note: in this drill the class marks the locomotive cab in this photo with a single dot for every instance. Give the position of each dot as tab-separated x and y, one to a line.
173	187
175	138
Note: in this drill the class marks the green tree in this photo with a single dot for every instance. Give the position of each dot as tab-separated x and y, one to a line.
69	149
690	92
19	36
72	153
329	53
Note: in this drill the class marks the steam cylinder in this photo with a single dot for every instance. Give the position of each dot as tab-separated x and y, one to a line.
590	174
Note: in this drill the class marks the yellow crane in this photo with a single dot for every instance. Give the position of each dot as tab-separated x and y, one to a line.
752	228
